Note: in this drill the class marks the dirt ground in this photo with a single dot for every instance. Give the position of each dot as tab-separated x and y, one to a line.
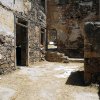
47	81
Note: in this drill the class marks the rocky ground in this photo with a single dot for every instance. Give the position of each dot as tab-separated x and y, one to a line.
47	81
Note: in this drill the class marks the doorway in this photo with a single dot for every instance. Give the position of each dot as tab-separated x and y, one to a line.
52	39
21	42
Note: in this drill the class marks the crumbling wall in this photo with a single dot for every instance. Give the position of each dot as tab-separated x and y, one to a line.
8	10
31	12
54	21
68	31
7	51
39	21
68	19
34	45
17	5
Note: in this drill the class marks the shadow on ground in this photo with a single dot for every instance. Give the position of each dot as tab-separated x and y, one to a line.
96	80
99	91
76	78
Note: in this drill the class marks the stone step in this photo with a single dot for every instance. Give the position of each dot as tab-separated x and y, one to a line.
56	57
65	57
60	57
81	60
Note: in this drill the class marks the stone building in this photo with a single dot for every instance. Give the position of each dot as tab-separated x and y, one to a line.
22	31
65	19
28	25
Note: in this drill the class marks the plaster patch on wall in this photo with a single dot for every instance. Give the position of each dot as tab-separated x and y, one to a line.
5	30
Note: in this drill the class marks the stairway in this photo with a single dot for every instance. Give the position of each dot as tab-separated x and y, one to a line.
54	56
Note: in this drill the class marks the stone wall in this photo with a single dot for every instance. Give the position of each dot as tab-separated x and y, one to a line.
34	44
17	5
67	30
31	12
7	51
7	60
68	20
35	31
54	21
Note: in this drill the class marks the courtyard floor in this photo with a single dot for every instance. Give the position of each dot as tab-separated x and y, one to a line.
47	81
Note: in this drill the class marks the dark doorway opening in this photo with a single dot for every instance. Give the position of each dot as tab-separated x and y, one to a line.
42	36
21	43
43	3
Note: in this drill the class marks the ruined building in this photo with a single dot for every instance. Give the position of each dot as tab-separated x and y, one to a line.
65	24
65	29
22	31
29	26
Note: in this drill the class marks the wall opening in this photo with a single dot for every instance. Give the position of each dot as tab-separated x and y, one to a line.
42	36
43	3
52	39
21	42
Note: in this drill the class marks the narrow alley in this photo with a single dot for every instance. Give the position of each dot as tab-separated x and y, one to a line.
47	81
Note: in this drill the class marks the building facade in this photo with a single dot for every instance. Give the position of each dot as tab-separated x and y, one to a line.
22	32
